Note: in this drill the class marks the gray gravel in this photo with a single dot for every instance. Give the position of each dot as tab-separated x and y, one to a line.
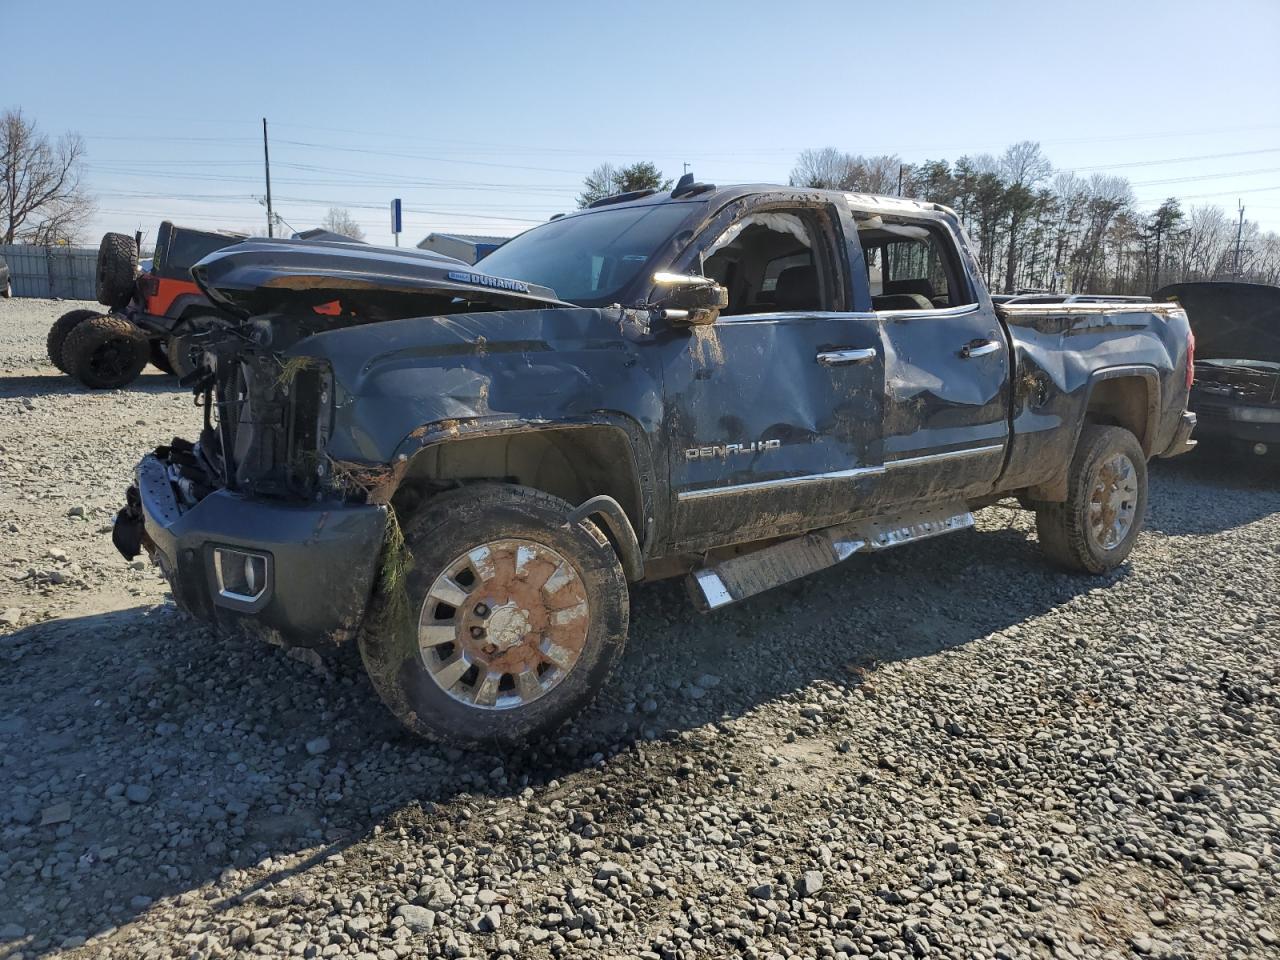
945	751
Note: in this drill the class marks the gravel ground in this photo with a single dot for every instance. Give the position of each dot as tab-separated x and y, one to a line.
948	750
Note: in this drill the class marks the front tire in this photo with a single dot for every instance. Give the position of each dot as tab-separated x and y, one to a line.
1095	529
512	622
58	333
105	352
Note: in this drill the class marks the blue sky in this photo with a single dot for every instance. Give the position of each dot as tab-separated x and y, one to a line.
485	117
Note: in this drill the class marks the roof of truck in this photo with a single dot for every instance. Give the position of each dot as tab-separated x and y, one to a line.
719	196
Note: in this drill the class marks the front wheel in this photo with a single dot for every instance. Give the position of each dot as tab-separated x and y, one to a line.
105	352
508	623
1095	529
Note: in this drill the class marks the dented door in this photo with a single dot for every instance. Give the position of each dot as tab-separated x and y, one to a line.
774	423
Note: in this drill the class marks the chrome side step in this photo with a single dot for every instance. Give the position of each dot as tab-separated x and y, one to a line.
737	578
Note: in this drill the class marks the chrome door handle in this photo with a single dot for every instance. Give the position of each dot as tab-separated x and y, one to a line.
846	355
979	348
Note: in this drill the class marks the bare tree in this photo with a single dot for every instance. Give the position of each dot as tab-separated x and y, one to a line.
338	220
42	199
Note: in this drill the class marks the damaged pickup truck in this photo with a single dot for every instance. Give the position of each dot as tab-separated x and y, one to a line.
464	468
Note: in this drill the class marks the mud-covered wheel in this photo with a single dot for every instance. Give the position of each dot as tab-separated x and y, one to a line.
117	269
105	352
185	351
57	335
508	623
159	353
1096	528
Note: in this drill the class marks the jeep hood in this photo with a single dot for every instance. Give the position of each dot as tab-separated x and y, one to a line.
1231	321
258	276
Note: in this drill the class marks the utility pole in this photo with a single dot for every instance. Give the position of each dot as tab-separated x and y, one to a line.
1239	235
686	167
266	160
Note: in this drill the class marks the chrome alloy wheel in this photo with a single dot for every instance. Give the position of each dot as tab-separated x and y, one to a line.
1113	502
503	624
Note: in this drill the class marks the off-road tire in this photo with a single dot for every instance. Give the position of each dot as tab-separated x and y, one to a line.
159	353
105	352
178	347
117	269
1064	528
447	527
57	335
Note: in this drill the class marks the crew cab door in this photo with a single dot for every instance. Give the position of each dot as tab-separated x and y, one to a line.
773	412
947	361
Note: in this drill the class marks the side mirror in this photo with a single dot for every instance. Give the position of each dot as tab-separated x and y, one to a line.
693	299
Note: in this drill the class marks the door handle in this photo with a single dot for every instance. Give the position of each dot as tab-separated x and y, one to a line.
979	348
846	355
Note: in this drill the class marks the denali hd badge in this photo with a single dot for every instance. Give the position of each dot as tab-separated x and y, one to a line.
726	450
484	280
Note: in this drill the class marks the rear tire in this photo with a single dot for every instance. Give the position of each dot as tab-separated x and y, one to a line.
117	269
538	619
160	355
105	352
58	334
180	350
1095	529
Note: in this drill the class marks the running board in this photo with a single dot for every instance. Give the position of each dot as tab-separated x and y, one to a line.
737	578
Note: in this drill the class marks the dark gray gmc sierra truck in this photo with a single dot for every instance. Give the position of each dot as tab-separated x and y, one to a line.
463	468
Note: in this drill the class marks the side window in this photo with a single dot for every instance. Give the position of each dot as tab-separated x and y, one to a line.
772	261
910	266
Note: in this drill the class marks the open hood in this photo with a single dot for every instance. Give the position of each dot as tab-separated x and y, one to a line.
258	276
1231	321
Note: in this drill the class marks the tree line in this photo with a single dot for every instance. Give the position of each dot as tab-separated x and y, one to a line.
1040	228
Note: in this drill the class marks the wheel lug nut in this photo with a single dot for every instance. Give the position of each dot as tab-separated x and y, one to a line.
477	632
482	610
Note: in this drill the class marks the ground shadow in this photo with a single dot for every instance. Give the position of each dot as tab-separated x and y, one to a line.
44	385
1228	490
138	734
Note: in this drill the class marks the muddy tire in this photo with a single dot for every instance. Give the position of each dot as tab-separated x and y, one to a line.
508	623
105	352
117	269
1095	529
159	355
57	335
183	351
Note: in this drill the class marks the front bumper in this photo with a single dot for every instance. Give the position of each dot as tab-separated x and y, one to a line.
1182	442
1224	421
321	558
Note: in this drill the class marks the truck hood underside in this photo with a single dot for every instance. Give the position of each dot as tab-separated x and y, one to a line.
258	276
1231	321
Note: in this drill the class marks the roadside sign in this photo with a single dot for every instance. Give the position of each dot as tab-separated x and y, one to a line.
397	221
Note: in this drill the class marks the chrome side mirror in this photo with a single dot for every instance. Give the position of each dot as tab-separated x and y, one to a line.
693	299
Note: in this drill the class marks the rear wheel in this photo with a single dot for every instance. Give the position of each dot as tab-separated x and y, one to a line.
512	620
105	352
117	269
58	334
159	351
1095	529
185	352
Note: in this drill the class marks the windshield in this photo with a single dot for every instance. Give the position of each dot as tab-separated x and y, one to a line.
588	259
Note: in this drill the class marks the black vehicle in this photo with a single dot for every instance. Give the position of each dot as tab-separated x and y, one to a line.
156	315
6	280
1236	393
465	466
